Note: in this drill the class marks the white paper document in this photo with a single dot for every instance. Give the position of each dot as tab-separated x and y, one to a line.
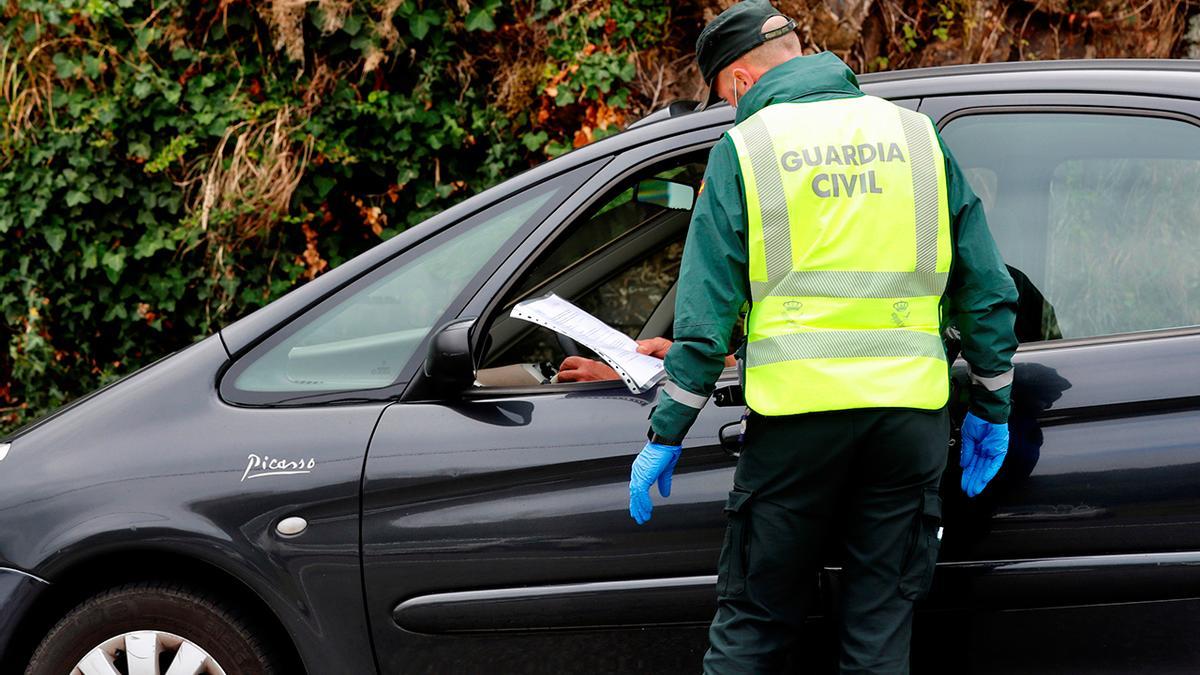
639	371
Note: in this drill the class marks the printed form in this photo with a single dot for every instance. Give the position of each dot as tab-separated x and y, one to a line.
639	371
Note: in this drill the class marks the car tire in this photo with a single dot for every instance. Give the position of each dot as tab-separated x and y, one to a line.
161	612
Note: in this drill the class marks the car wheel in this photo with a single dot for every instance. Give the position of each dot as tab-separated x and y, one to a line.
151	629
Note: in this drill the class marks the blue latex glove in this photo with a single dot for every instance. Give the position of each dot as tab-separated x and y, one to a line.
654	463
984	446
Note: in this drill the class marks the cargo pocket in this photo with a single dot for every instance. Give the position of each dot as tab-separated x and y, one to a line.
735	551
916	575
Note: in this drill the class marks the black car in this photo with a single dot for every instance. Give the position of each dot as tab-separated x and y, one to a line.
377	474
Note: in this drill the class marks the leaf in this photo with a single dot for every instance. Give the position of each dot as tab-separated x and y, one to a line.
324	185
115	311
77	197
113	262
66	68
91	66
55	236
555	148
619	99
145	36
480	19
143	88
352	24
627	70
139	149
419	24
171	91
535	140
147	245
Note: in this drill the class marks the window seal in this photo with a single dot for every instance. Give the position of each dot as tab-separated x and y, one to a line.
1067	108
1113	338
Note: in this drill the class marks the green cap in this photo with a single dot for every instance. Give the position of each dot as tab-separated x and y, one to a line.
734	32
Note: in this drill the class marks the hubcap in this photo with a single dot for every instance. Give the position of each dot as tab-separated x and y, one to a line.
147	652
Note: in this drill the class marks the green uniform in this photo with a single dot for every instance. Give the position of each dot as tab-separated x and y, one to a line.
867	476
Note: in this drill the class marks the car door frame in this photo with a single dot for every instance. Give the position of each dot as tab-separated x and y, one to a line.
506	275
426	610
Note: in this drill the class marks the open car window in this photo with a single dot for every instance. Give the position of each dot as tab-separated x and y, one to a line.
619	261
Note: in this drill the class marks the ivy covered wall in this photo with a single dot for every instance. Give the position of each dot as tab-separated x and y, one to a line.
167	166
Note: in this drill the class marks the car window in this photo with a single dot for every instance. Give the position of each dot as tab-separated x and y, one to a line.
618	261
364	340
1096	214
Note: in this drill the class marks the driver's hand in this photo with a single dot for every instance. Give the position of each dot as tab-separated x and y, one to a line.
580	369
656	347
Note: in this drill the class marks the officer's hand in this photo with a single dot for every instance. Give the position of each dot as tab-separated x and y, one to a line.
654	463
656	347
984	446
580	369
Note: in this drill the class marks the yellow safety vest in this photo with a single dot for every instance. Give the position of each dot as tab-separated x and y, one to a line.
849	238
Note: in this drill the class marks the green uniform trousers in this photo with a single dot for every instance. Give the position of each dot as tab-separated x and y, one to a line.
856	487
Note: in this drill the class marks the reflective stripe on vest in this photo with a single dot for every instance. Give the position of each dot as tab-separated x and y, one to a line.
849	251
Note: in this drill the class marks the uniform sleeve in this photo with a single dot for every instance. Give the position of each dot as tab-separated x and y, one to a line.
713	285
982	299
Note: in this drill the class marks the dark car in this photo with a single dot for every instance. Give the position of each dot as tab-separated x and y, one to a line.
376	474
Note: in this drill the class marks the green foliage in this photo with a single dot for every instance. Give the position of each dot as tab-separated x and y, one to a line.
167	167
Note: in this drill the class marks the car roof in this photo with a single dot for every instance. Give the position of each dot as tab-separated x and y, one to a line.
1174	78
1160	77
1186	65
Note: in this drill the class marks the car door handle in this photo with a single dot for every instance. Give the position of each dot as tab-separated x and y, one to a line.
728	396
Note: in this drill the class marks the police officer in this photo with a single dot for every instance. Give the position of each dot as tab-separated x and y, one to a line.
845	226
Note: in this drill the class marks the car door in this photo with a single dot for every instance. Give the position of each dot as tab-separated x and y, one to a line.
496	525
1081	555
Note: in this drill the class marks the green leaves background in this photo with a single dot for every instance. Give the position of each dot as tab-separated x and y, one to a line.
167	166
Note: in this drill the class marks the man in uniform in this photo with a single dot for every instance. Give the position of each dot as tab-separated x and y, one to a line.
845	225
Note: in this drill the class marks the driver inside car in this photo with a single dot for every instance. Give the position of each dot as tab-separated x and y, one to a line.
583	369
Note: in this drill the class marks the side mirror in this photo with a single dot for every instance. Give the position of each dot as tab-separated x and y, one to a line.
666	194
731	438
448	366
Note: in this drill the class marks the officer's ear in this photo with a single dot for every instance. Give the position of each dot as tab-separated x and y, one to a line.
743	78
